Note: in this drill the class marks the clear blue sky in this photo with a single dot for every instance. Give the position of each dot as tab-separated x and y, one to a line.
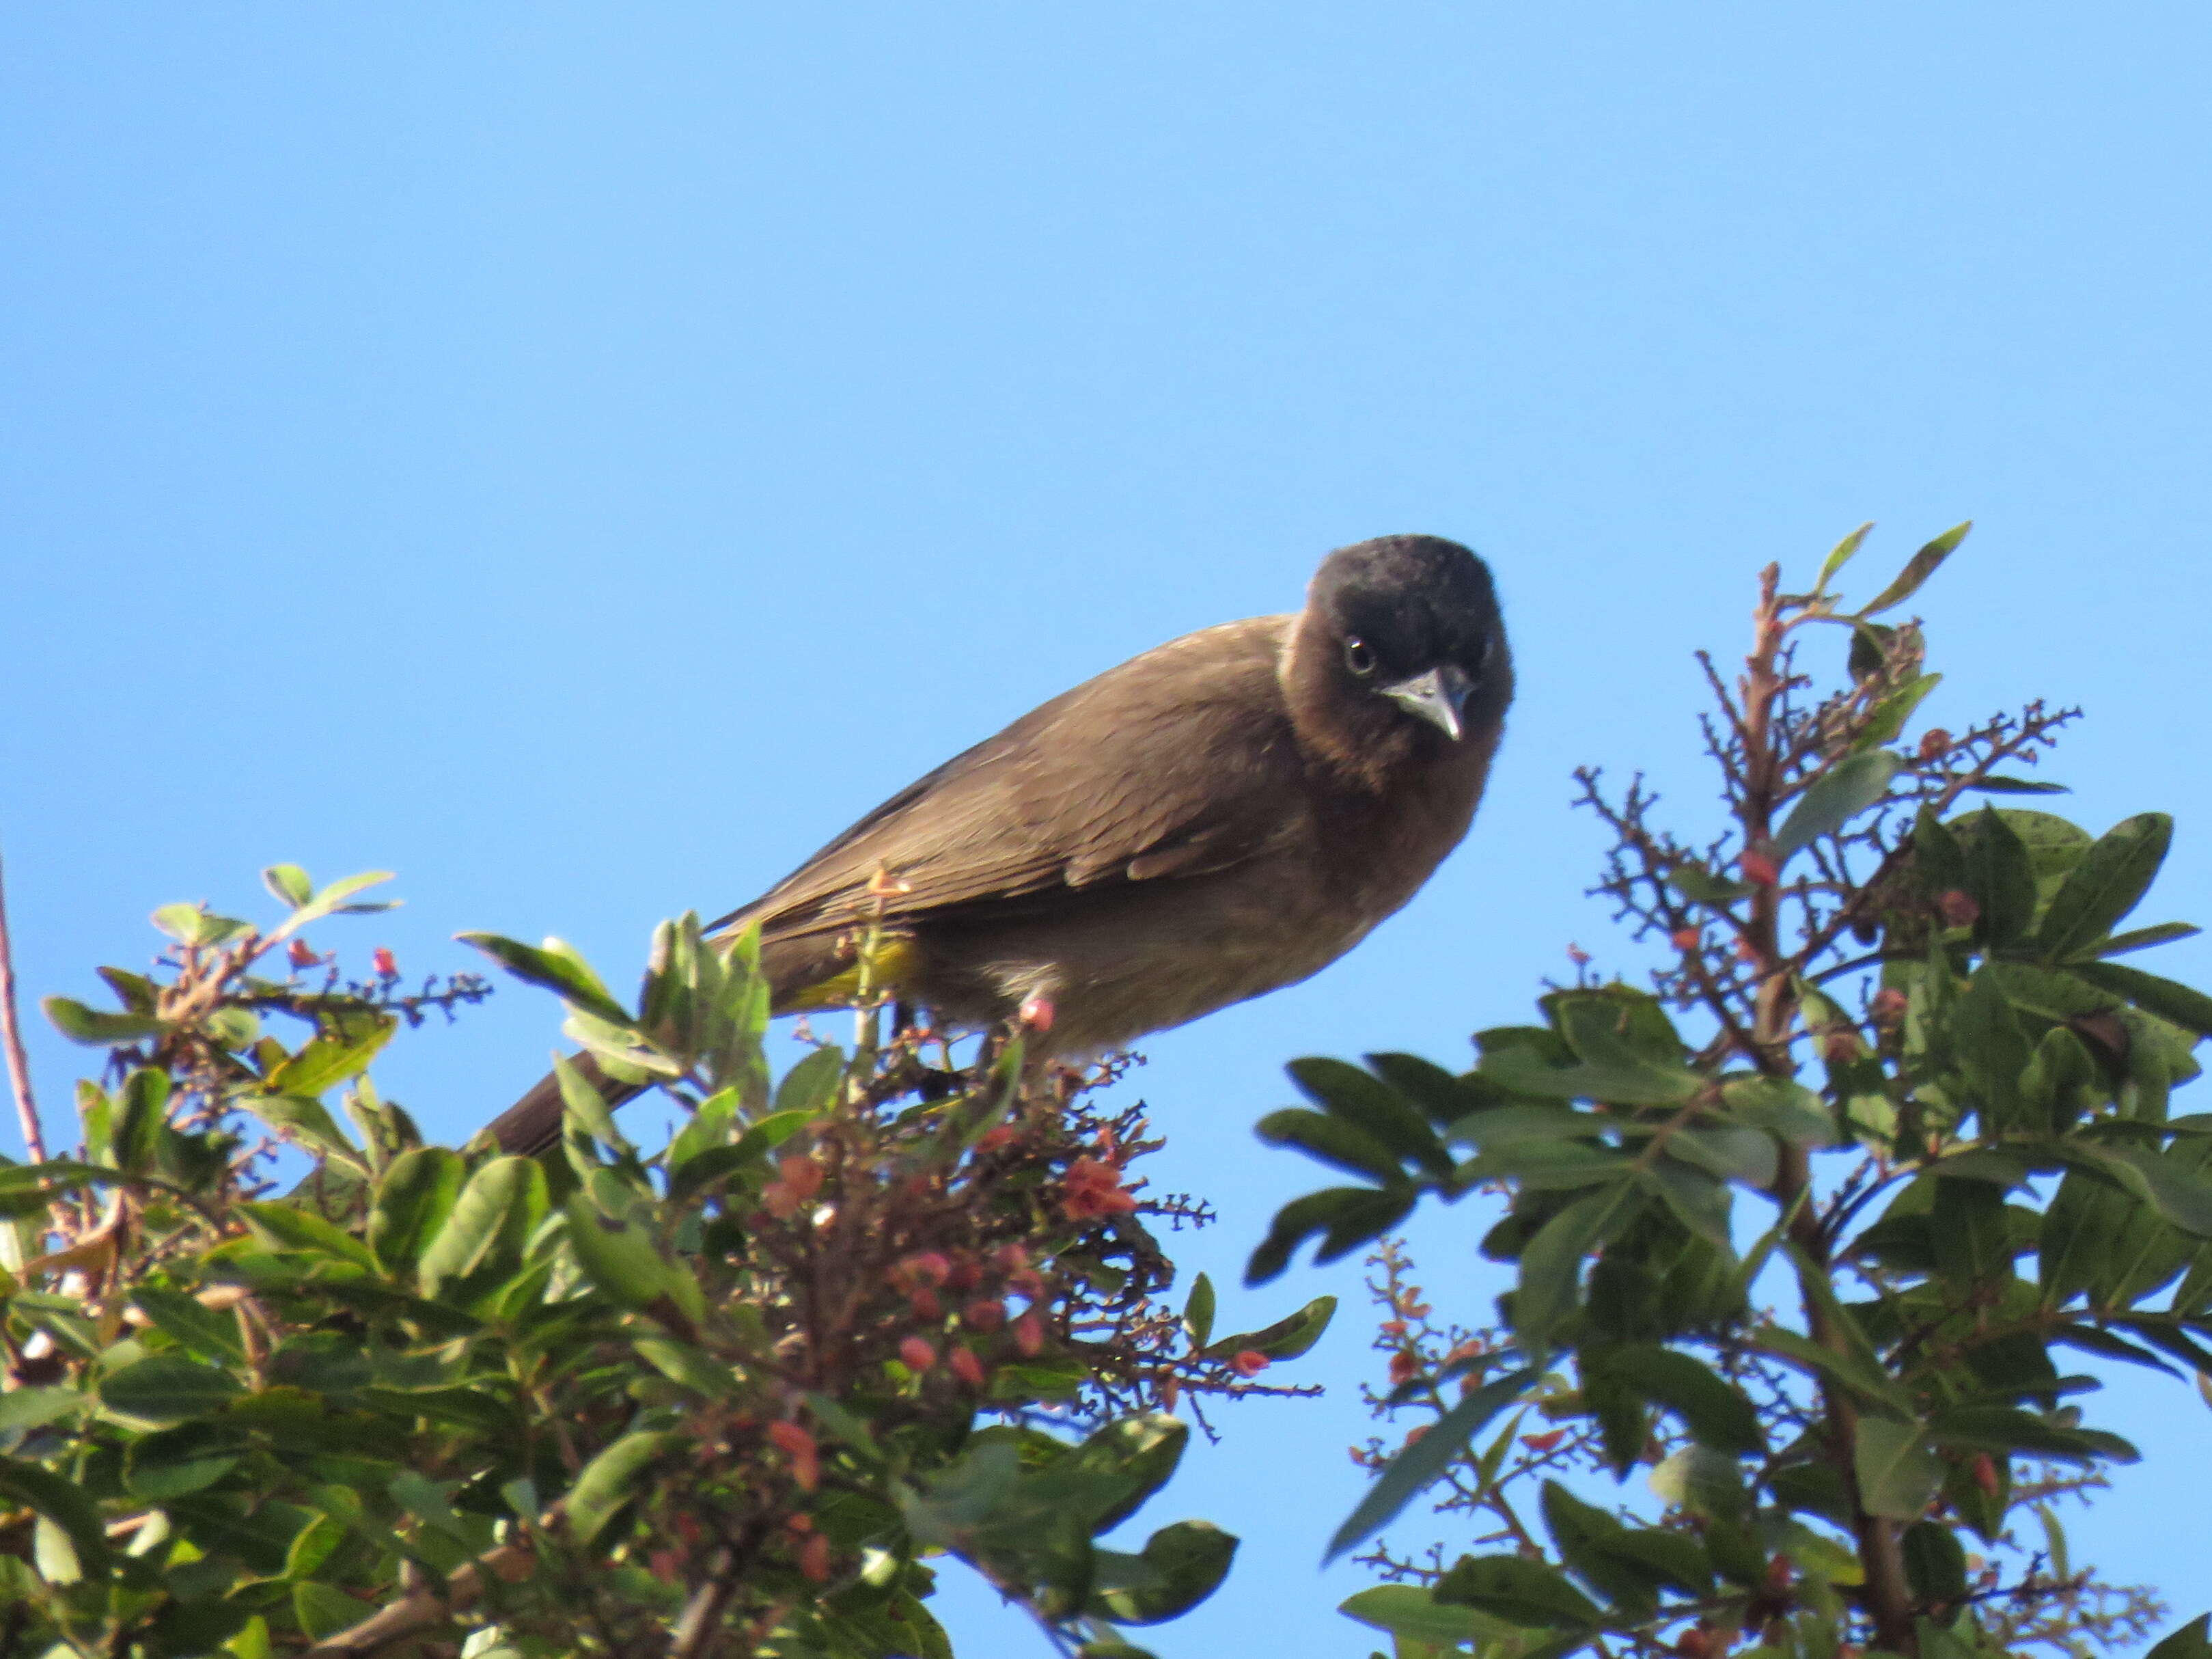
581	457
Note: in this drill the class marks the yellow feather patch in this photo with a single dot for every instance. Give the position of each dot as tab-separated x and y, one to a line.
891	964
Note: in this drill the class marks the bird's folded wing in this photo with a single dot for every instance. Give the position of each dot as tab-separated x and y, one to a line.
1178	762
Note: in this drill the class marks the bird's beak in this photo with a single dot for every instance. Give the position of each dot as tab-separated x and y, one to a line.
1437	697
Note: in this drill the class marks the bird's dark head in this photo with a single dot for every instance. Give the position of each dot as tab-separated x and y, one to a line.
1400	654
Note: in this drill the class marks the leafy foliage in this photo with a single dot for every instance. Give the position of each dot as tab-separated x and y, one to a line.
1889	1023
732	1395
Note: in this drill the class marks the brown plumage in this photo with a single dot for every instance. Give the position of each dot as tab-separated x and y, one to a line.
1225	815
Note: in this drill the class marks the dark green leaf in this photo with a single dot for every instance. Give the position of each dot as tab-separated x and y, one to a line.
1347	1217
1533	1594
184	1321
2109	881
1368	1105
1999	785
2001	877
2141	938
63	1503
1837	796
558	969
1422	1460
1897	1470
1935	1562
412	1201
287	1228
1411	1612
483	1234
2188	1642
1331	1139
2007	1430
1186	1563
1702	1480
1551	1265
168	1388
1716	1413
2168	999
609	1480
1286	1338
141	1119
1918	569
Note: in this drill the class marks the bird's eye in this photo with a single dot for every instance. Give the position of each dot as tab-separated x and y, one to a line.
1359	656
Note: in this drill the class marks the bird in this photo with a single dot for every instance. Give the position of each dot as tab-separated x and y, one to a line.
1213	819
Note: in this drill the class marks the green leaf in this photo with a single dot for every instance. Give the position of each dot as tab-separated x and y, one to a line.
2168	999
285	1228
1918	569
484	1235
1330	1139
1837	796
557	968
621	1259
1935	1562
2141	938
168	1388
1700	886
1551	1265
609	1481
2008	1431
1999	785
1368	1105
2108	883
140	1122
289	883
1897	1470
326	1060
1992	1050
1702	1480
1422	1460
1184	1564
2001	877
1533	1594
1715	1410
1347	1217
2189	1641
88	1025
1198	1311
1286	1338
1887	717
333	900
1140	1451
412	1201
810	1086
1411	1613
184	1321
1840	555
63	1503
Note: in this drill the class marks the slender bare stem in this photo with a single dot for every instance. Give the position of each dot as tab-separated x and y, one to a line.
11	1035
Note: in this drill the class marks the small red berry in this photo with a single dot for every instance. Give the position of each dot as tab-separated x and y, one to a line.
918	1354
1028	1335
1759	869
967	1367
1250	1361
382	960
1958	909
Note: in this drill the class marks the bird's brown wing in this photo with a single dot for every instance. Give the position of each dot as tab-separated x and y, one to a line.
1177	763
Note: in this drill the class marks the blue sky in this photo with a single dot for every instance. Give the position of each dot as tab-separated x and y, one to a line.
579	458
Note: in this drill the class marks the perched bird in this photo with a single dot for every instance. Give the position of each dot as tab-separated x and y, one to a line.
1224	814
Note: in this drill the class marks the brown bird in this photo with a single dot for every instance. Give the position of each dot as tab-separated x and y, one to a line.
1225	815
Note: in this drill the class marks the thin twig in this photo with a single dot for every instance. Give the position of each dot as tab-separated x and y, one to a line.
11	1034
